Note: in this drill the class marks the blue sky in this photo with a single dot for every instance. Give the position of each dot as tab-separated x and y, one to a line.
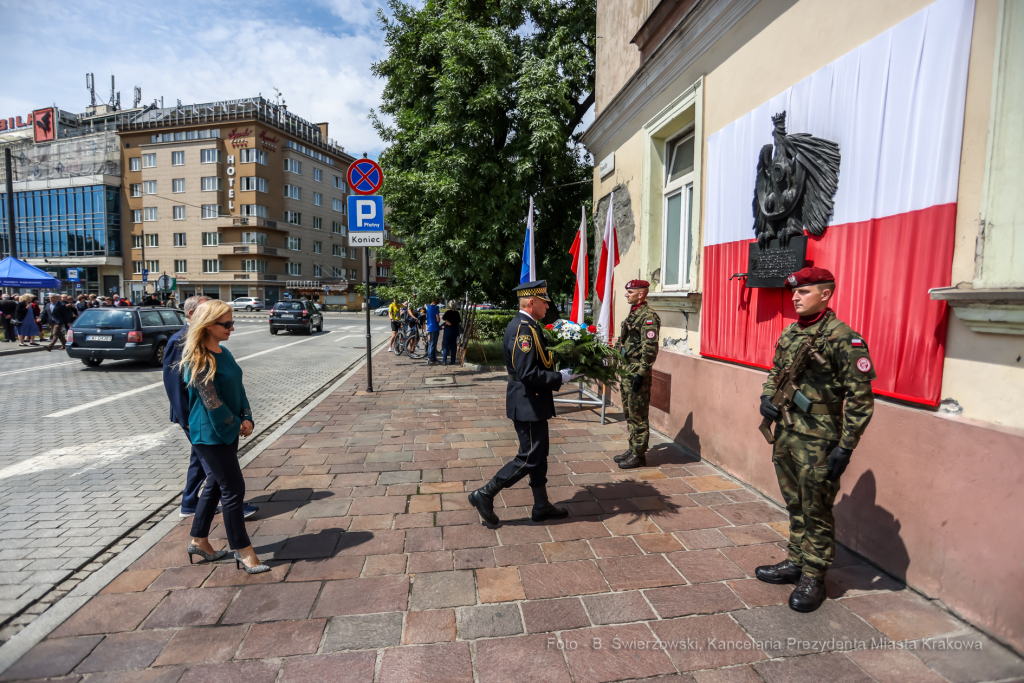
317	52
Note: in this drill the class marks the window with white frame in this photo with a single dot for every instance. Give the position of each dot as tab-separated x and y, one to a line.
318	175
211	210
211	239
293	217
137	267
209	156
179	239
152	240
677	203
352	253
179	212
180	266
254	238
136	241
253	210
149	213
293	268
337	250
136	189
254	266
340	184
177	158
353	274
253	184
153	266
317	271
293	166
149	187
212	184
338	205
149	161
252	156
293	192
338	272
318	199
136	215
135	164
178	185
318	223
318	247
295	243
212	265
337	228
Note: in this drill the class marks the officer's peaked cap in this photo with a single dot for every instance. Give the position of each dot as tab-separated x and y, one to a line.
537	288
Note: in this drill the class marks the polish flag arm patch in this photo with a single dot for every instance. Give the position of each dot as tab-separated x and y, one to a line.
857	342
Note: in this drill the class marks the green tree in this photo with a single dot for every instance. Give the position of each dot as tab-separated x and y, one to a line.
481	107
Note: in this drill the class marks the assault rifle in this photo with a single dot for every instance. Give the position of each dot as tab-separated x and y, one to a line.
787	393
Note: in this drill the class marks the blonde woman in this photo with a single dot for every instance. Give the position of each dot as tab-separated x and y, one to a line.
218	414
26	319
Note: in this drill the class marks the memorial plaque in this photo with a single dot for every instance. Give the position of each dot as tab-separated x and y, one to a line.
770	267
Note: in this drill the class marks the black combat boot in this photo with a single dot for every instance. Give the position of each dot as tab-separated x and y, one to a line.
542	508
483	500
783	572
623	456
808	594
632	462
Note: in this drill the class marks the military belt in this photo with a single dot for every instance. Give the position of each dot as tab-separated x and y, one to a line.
826	409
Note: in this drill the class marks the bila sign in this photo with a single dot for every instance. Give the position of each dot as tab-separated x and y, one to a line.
365	221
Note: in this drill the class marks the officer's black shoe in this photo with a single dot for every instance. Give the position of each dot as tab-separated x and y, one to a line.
483	500
542	508
633	461
783	572
622	456
808	594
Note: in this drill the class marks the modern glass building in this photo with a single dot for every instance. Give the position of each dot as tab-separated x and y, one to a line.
66	222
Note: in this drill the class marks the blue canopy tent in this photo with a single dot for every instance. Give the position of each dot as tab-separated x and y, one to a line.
17	273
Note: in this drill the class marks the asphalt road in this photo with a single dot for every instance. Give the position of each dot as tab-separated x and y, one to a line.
88	453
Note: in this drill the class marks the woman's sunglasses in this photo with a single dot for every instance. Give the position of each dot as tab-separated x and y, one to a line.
227	326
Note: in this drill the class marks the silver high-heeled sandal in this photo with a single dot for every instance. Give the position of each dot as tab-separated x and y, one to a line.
193	549
258	569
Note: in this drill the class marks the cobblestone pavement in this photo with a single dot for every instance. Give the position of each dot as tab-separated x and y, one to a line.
76	477
382	571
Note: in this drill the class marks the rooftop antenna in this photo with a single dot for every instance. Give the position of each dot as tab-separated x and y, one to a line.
138	97
117	105
90	83
161	101
113	101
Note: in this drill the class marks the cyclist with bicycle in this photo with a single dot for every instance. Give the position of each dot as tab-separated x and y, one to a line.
395	314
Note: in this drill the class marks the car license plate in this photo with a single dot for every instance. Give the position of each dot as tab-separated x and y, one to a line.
98	337
287	315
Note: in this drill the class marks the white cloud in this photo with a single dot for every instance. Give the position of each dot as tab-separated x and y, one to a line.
318	54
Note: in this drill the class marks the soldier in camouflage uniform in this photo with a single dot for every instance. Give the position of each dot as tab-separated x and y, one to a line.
638	342
811	455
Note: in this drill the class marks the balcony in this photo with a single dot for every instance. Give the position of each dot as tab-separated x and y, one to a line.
256	222
260	249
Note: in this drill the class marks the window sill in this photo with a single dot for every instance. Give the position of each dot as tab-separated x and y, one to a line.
987	311
686	302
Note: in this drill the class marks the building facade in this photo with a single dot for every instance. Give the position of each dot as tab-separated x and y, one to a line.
924	100
233	199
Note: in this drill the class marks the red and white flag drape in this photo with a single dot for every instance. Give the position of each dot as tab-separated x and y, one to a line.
605	284
895	105
579	267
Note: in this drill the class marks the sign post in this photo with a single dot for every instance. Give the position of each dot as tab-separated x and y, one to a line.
366	228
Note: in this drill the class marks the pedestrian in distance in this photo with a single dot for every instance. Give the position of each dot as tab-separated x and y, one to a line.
26	318
177	395
638	342
395	315
93	301
8	307
452	320
59	317
219	414
529	403
819	363
433	312
108	302
82	305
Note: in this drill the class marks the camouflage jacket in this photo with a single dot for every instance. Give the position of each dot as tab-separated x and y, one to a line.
638	339
847	376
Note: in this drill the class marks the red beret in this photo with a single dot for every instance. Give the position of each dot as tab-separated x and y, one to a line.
809	276
638	284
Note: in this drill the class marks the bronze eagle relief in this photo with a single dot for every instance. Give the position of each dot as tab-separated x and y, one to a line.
797	179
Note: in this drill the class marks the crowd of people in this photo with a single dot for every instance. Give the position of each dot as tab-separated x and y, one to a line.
429	322
23	317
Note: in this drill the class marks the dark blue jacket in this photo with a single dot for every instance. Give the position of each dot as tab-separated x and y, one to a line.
174	385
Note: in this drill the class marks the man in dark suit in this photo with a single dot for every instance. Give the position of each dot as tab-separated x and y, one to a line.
58	317
529	403
177	394
8	306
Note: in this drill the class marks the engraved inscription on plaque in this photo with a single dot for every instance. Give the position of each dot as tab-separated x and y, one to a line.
770	267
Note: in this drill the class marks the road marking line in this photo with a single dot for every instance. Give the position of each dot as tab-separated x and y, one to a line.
348	336
88	457
38	367
278	348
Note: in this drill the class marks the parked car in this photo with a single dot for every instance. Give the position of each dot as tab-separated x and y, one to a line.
247	303
296	314
101	334
485	307
383	310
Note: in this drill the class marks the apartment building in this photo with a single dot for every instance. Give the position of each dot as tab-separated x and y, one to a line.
237	198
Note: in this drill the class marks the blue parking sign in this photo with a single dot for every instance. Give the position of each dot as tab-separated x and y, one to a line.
365	214
145	275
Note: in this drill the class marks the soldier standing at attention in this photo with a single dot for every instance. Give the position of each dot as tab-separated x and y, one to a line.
529	404
638	341
811	455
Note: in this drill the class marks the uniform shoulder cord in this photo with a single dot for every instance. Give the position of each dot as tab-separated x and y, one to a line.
547	360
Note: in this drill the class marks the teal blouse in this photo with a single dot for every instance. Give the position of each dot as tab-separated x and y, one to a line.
218	408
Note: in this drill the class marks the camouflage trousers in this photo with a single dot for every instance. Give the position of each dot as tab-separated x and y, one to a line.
637	407
800	462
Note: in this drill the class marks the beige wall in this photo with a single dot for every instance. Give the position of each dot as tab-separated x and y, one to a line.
617	60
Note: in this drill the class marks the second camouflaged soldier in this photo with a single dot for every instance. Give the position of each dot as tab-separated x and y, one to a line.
638	342
813	453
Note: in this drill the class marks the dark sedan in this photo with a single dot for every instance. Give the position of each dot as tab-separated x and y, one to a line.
297	315
102	334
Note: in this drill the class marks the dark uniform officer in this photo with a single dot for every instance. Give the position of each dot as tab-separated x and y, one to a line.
810	457
638	342
529	404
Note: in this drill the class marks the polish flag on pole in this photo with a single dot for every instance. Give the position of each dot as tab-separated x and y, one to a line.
579	266
605	284
529	270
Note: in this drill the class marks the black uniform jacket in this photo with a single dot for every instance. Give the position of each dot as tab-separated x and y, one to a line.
533	377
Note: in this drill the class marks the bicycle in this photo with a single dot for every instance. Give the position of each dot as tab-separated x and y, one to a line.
417	344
